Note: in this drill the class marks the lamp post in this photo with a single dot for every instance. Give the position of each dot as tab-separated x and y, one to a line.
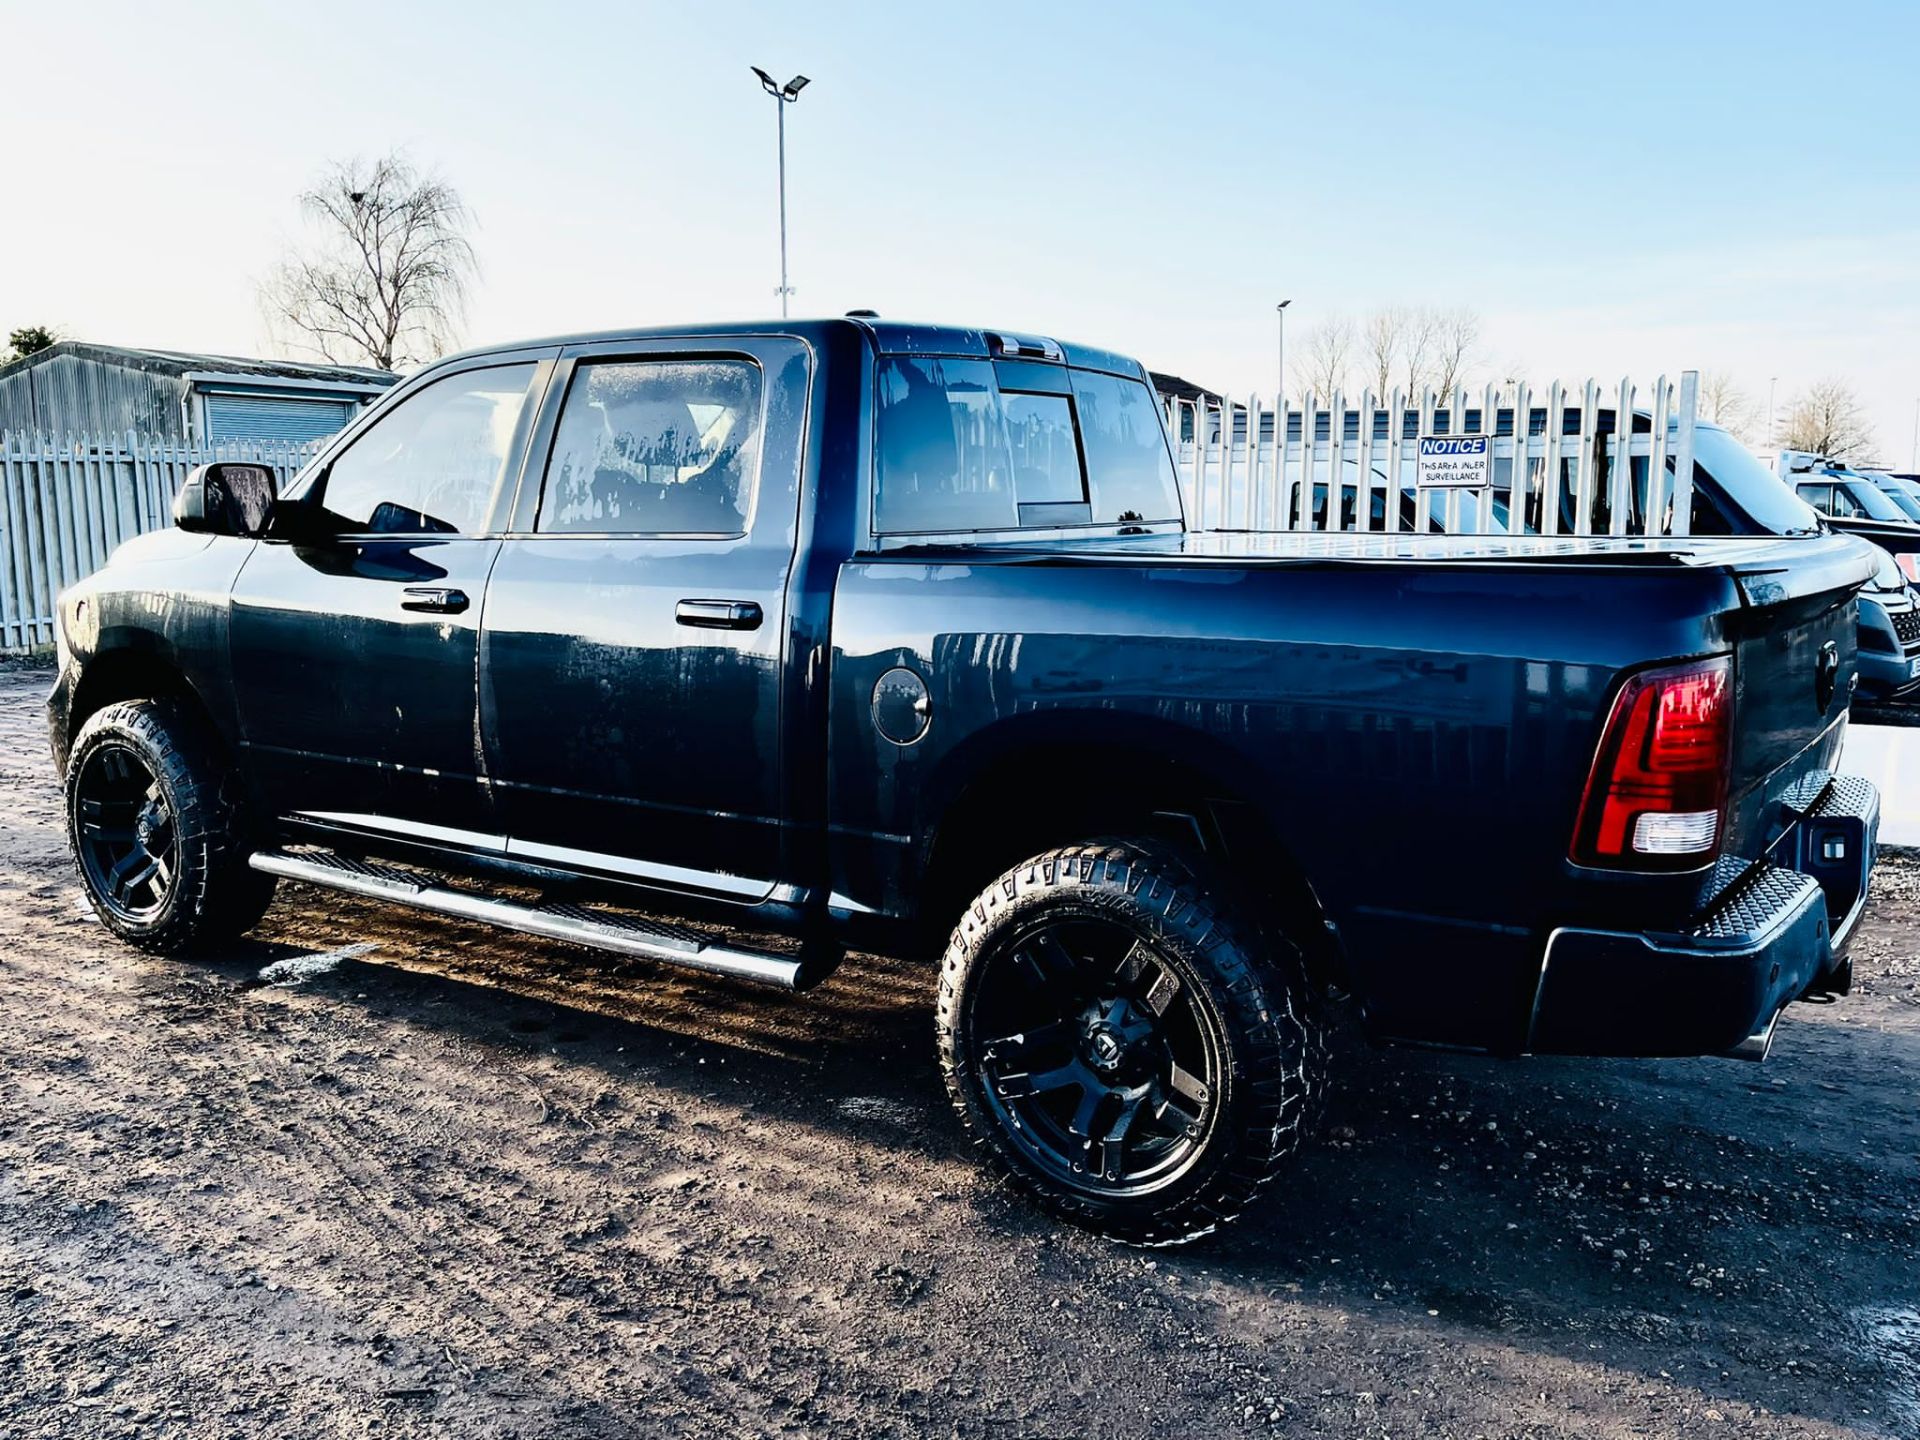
1773	423
783	96
1281	311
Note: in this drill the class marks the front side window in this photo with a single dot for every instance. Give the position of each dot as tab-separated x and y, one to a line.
433	463
655	447
1868	501
1904	502
1844	504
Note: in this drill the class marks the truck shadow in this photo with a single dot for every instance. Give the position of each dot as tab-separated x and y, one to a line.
1698	1223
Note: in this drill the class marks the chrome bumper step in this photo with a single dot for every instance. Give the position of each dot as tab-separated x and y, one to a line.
601	929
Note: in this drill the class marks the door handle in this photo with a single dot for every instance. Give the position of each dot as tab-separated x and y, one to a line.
718	614
435	599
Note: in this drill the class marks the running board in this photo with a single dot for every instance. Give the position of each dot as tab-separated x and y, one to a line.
601	929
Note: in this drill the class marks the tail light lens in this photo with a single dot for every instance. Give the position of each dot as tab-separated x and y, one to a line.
1658	790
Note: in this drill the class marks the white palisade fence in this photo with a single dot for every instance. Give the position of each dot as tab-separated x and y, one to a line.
67	501
1588	459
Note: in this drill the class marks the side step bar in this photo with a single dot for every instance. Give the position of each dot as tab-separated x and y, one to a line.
603	930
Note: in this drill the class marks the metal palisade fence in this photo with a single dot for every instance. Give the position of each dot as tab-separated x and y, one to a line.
1572	460
67	501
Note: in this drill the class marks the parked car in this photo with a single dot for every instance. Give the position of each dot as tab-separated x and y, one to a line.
1889	635
1903	492
1734	493
1855	505
860	634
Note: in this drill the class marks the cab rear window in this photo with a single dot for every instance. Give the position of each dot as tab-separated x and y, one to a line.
962	450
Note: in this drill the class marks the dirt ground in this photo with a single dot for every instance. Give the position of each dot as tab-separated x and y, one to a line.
457	1183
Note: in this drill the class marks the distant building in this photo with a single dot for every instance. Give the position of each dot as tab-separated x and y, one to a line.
76	388
1172	387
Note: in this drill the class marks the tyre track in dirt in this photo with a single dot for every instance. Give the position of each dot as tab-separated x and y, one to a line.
470	1184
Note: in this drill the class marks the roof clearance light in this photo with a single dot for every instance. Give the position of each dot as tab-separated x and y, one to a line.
1031	347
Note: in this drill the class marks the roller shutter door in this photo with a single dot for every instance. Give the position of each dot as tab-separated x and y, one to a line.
275	417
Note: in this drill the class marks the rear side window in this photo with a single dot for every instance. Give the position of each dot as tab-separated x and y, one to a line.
655	447
945	460
1129	470
958	452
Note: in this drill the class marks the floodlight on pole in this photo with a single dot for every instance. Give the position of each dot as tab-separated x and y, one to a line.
1281	311
783	95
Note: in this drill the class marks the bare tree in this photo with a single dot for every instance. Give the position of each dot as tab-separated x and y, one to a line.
1329	357
1455	347
1419	348
385	282
1725	402
1383	337
1829	420
1423	346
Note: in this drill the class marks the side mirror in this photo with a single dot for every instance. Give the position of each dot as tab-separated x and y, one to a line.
225	498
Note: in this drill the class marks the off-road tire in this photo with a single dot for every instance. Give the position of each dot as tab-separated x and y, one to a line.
213	895
1251	981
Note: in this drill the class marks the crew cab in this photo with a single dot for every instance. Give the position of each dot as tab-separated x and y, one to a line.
739	646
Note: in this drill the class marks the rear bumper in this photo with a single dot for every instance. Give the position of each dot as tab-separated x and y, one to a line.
1777	933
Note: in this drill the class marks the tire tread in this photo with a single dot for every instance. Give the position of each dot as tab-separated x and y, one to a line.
1277	1055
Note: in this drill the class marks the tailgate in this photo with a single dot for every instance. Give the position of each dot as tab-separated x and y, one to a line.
1793	644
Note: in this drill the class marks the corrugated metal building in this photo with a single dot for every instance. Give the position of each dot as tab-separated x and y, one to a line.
78	388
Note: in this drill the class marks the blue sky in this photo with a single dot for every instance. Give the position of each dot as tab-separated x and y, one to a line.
1624	189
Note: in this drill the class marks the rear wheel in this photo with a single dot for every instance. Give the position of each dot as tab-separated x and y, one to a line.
160	850
1125	1048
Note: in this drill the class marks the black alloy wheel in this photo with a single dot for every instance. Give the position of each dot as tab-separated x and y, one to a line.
1101	1061
161	844
1126	1045
126	832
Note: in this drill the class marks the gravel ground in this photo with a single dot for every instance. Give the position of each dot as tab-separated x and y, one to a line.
1905	712
445	1182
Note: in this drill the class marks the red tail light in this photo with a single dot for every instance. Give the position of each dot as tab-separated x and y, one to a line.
1656	796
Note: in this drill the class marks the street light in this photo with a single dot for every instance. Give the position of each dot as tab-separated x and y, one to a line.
1281	311
783	96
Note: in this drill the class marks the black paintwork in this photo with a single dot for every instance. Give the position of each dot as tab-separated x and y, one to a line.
1406	721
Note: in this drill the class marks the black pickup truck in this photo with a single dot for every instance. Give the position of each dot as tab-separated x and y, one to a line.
850	633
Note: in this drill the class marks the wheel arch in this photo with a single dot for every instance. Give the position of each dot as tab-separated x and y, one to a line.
131	665
1028	783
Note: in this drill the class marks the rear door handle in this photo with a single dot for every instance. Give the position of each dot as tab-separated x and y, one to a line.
718	614
433	598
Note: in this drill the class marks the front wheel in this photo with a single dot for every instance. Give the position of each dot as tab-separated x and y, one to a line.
1126	1049
159	848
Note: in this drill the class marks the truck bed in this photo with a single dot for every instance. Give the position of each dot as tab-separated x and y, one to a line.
1416	716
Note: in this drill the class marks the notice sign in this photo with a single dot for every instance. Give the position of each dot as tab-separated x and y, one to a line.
1455	462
